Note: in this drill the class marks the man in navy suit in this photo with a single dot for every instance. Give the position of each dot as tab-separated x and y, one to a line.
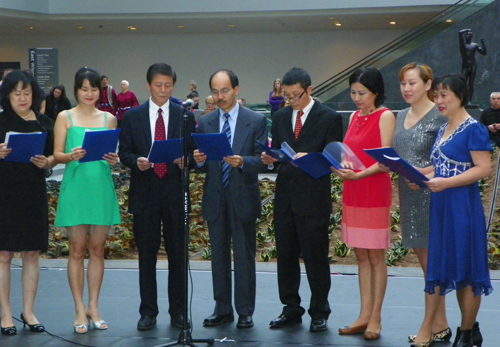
302	204
231	200
155	195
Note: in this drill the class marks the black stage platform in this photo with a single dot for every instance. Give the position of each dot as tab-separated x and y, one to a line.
403	311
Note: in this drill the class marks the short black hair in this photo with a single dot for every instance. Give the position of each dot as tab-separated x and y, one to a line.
103	77
86	73
297	75
160	69
372	79
10	83
456	83
232	77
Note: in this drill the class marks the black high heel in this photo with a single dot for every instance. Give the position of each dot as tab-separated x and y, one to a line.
477	338
9	331
36	328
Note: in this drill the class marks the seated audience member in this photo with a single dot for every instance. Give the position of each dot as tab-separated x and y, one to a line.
209	105
242	102
196	98
491	118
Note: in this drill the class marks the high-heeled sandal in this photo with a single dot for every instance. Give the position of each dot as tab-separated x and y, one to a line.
99	325
9	331
444	335
423	344
81	328
35	328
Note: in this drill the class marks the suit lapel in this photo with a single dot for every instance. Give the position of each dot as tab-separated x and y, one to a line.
173	122
289	137
144	123
241	131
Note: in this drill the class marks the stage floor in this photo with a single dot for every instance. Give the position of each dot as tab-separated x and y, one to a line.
119	302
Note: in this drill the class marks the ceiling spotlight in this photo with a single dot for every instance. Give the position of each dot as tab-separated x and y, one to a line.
449	21
338	24
331	18
231	25
392	23
180	26
31	28
79	28
133	28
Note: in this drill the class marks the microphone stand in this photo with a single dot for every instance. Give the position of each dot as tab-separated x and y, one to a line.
185	338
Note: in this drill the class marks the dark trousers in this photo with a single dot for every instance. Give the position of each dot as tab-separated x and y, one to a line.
147	233
226	227
305	236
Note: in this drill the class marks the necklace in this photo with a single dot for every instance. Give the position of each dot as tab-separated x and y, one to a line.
358	122
29	114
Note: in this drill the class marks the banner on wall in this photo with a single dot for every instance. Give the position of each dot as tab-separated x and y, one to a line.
44	62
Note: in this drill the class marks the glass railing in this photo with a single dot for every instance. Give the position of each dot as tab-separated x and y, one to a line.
400	46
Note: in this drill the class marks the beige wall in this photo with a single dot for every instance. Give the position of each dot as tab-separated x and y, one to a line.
256	58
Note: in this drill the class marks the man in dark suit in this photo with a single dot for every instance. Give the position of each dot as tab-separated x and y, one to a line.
155	195
302	204
231	202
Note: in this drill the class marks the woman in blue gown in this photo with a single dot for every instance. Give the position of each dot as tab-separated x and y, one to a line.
458	257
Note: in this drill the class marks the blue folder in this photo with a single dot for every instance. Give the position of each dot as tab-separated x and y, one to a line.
274	153
24	146
97	143
214	146
389	157
167	151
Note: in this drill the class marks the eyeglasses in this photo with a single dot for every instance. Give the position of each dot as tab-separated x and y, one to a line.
224	92
293	98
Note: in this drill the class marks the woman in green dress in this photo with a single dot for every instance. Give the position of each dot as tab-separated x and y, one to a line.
87	205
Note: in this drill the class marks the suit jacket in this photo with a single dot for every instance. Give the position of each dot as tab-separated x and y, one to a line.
295	188
244	182
135	142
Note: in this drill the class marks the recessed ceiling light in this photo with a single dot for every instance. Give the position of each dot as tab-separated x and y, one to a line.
338	24
449	21
132	28
31	28
231	25
392	23
79	28
180	26
331	18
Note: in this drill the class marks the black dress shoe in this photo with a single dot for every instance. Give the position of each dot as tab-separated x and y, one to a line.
244	322
284	321
218	319
146	323
177	321
317	325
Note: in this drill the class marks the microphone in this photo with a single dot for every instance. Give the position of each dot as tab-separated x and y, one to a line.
188	103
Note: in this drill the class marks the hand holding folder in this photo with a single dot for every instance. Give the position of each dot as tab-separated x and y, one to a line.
335	153
214	146
164	152
97	143
24	146
390	158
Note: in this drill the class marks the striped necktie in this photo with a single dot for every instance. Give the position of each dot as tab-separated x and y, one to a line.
226	168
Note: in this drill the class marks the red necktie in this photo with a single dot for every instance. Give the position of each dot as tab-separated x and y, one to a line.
298	125
160	169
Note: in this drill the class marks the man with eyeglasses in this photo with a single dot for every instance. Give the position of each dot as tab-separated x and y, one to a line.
231	200
302	204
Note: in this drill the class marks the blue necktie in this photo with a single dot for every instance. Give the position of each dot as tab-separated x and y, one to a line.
226	168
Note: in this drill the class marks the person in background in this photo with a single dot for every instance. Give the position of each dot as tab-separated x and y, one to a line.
366	198
87	205
303	204
276	96
490	117
5	73
192	87
196	99
458	254
107	101
56	101
125	100
209	105
242	102
24	212
416	130
229	186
